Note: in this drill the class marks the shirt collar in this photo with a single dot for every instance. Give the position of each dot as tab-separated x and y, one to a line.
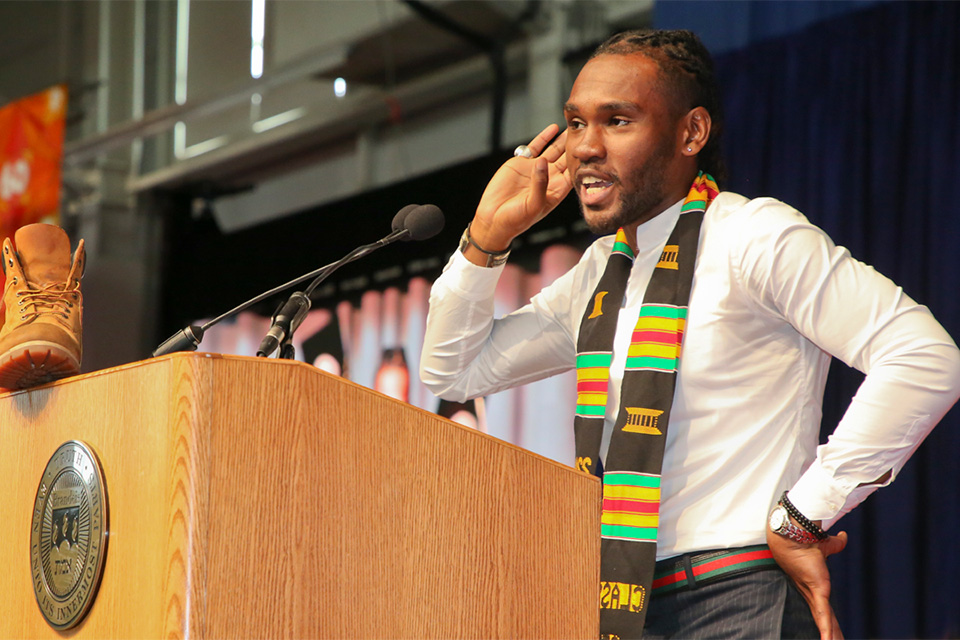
652	233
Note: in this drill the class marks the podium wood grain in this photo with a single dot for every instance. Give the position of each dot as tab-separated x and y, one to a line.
260	498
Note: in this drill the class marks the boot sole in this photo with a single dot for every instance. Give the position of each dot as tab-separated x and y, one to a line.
36	362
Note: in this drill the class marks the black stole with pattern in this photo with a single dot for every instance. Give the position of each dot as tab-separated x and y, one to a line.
631	474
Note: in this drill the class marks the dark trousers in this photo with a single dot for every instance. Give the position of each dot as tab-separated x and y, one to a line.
762	604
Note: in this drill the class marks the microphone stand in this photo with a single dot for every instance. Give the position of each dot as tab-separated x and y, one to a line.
190	337
287	350
413	221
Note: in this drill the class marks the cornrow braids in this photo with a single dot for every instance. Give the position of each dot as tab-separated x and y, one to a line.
687	73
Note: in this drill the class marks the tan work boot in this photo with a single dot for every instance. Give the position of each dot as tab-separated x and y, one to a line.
42	308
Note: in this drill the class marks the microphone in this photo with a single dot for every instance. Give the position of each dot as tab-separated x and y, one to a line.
397	224
285	322
413	222
422	222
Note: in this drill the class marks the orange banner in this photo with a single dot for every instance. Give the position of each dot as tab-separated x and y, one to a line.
31	148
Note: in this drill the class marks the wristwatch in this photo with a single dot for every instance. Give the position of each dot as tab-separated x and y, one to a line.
780	524
494	258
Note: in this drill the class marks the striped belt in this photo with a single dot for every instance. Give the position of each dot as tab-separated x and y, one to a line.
691	571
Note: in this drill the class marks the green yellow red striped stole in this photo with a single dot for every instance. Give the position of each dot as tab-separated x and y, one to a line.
630	506
631	471
657	338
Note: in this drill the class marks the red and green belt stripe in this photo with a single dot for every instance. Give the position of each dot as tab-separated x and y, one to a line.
670	575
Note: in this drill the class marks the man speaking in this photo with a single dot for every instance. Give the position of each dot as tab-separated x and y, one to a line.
701	329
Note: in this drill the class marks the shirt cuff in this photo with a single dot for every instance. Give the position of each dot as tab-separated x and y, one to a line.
469	281
818	495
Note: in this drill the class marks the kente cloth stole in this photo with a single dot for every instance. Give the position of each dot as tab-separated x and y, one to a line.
631	475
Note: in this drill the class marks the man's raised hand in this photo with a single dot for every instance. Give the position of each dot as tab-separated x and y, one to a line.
522	192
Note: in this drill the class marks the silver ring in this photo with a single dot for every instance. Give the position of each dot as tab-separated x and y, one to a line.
523	151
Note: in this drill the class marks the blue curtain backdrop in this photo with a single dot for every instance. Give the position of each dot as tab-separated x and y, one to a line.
726	25
854	121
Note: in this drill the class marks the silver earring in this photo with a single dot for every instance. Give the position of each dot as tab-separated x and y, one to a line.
689	149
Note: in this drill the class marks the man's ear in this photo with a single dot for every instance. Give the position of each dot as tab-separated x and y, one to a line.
696	131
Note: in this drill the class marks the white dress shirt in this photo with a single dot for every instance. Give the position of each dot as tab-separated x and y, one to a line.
772	299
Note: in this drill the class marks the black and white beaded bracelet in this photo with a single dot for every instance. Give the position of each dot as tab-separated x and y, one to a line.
801	519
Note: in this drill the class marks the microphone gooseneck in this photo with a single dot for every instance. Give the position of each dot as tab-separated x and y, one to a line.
187	339
415	222
412	222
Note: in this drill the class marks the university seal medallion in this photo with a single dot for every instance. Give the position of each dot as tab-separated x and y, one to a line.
68	535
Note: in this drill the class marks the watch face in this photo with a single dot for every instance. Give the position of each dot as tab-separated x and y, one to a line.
777	518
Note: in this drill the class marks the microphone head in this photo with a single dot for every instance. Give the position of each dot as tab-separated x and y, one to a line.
398	220
424	221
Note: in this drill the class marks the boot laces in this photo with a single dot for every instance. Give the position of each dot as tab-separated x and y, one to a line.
53	299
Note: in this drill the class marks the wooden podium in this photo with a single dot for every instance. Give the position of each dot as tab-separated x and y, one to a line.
265	498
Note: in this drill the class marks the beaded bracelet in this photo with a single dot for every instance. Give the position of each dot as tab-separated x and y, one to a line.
804	522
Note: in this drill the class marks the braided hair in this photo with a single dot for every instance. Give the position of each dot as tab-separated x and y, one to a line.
687	75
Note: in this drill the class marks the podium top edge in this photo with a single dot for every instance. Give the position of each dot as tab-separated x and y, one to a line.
272	362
